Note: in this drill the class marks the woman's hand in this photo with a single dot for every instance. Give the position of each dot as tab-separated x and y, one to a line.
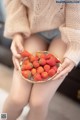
17	48
65	68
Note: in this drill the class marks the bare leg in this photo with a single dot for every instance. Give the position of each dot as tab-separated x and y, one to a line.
58	48
20	90
18	97
42	94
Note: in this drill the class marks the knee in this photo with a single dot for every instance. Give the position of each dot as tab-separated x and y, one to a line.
37	103
18	102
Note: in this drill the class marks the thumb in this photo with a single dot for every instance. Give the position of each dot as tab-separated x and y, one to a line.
20	47
62	66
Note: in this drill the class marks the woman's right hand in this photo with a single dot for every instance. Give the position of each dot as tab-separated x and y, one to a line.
17	48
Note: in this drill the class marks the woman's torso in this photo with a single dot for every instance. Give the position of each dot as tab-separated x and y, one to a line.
44	14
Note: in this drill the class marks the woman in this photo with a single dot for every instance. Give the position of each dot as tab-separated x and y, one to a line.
26	20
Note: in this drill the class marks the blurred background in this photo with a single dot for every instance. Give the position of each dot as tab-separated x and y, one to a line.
66	103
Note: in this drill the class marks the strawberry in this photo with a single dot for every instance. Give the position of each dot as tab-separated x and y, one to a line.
26	74
48	56
36	58
36	64
42	61
23	67
40	69
51	72
25	53
57	60
37	77
55	68
44	75
46	67
51	61
25	62
43	56
32	58
29	66
33	71
38	54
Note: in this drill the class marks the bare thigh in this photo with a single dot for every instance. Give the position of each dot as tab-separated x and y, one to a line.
57	47
21	89
43	93
35	43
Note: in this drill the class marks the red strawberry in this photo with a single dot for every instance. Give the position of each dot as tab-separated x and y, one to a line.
40	69
23	67
51	72
38	54
25	62
26	74
36	64
42	61
44	75
25	53
37	77
51	61
33	71
48	56
46	67
55	68
29	66
32	58
57	60
43	56
36	58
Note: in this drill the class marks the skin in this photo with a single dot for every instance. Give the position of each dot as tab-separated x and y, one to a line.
15	102
17	47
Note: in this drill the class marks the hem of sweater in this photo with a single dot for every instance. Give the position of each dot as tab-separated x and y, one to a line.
10	34
44	26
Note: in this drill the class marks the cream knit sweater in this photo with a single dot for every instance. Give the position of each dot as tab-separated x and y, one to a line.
31	16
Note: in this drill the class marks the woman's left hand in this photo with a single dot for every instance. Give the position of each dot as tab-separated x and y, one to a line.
65	68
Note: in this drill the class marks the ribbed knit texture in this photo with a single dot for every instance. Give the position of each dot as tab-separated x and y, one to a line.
31	16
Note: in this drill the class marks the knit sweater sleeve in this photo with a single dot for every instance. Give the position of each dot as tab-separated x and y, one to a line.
70	32
16	19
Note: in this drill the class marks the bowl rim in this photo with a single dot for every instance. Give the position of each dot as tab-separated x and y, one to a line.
49	79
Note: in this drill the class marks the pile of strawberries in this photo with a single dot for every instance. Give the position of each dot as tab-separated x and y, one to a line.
39	67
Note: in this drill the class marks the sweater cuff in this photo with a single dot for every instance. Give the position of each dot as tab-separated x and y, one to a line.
16	20
72	38
73	52
13	27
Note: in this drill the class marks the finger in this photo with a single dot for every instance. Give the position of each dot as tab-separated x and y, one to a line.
63	76
14	51
60	77
63	66
20	47
16	63
19	42
64	72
